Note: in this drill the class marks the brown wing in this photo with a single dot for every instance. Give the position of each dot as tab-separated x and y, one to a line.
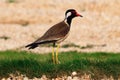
55	33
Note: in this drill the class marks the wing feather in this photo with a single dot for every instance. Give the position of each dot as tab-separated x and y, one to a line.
55	33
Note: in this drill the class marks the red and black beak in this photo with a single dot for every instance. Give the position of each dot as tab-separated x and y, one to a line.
77	14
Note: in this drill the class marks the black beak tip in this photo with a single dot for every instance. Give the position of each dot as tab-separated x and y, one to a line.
81	16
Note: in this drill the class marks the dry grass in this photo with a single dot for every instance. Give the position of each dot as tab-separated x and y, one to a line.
24	21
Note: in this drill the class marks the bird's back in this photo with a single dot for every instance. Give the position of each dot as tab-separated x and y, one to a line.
55	33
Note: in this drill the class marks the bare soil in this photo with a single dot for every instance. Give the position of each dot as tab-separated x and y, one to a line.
23	21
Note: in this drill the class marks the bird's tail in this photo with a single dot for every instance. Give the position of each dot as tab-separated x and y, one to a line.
32	45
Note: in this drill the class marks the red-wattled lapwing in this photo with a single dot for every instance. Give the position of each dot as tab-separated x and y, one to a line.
56	33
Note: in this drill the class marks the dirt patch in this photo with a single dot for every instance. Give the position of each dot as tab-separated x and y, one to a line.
24	21
74	76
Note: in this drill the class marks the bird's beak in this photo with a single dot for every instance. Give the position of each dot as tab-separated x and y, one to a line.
77	14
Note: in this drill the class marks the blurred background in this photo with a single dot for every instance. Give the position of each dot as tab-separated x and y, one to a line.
23	21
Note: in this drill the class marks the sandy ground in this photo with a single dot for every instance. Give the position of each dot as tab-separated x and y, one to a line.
23	21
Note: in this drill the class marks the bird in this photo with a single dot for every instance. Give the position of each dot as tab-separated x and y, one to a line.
56	34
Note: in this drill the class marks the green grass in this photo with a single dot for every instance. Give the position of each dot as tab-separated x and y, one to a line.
97	64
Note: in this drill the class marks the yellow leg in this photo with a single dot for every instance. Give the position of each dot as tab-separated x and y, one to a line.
57	50
53	55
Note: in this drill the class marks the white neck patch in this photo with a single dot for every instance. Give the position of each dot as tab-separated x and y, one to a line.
68	14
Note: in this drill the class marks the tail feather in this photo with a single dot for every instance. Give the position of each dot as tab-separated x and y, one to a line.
32	46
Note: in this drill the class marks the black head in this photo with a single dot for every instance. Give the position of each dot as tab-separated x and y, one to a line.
72	13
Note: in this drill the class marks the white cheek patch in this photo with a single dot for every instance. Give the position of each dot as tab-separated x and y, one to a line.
68	14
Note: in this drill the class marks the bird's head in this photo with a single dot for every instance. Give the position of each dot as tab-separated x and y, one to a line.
72	13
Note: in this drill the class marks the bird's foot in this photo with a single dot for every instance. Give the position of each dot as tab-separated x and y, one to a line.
58	62
53	61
